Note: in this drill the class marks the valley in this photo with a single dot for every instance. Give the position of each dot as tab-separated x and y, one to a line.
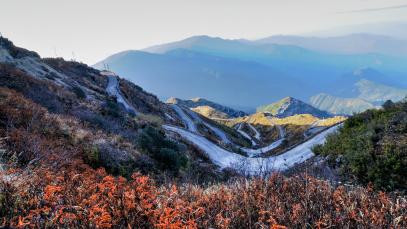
252	134
263	72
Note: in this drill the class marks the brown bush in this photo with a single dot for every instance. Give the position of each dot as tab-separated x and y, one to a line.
61	191
79	196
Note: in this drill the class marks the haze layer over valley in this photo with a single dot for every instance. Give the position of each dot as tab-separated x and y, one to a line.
203	114
341	75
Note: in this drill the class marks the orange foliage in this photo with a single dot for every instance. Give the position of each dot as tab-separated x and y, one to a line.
82	197
62	192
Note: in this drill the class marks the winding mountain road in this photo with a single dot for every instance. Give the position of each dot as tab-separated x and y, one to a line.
224	158
256	132
113	89
281	131
257	152
219	133
190	125
244	134
313	129
273	145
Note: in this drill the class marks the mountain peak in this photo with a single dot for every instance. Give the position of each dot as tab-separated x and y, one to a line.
289	99
289	106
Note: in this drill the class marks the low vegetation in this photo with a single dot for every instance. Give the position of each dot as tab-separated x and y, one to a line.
71	157
166	152
47	184
79	196
372	147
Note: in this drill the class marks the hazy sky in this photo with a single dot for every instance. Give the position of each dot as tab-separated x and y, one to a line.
94	29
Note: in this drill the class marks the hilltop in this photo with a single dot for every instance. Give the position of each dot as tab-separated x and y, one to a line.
363	89
208	108
290	106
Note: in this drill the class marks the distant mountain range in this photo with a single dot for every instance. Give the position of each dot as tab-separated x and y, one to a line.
188	74
349	44
246	74
357	91
290	106
396	29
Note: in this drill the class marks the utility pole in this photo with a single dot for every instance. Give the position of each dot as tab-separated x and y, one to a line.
73	56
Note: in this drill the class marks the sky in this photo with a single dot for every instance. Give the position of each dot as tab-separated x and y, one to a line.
91	30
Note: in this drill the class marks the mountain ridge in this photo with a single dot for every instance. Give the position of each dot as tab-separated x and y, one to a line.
355	43
290	106
200	102
229	66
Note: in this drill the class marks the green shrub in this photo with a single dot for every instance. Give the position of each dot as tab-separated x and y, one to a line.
111	108
92	156
372	147
166	152
150	119
79	92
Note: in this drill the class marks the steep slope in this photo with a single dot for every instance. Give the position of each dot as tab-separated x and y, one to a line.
71	112
290	106
213	108
371	147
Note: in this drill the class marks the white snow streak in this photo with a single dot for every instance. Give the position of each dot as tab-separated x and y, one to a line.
239	129
114	90
221	135
313	129
224	158
169	117
190	125
256	133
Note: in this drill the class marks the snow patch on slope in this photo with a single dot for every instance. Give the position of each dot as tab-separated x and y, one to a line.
32	66
256	133
253	166
221	135
244	134
114	90
190	125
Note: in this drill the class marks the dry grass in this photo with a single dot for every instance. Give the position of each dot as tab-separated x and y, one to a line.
150	119
332	121
210	112
80	197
